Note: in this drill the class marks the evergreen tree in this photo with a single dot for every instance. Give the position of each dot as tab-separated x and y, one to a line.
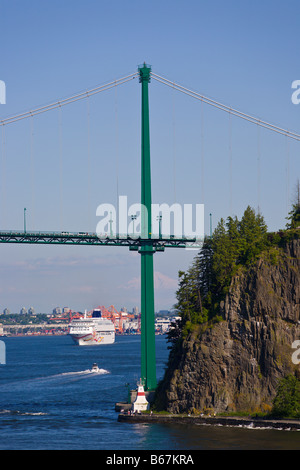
294	214
222	259
201	288
253	233
287	400
203	264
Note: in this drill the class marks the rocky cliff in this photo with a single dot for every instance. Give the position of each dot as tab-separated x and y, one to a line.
235	365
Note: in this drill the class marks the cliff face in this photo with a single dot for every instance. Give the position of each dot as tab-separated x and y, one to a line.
235	365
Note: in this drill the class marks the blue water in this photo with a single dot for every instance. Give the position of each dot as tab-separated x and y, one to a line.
49	399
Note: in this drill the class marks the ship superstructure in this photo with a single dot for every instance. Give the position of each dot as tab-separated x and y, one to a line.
94	330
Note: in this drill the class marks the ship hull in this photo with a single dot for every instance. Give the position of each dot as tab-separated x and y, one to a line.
93	339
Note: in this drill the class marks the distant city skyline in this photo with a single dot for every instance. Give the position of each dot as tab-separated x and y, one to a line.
65	310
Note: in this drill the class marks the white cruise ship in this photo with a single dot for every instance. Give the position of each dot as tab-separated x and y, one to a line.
94	330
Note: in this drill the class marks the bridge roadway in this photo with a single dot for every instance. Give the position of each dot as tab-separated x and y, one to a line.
87	238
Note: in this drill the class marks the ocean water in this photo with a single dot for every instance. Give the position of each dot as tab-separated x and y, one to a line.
49	400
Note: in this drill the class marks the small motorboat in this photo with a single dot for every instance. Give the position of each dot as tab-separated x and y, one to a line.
95	368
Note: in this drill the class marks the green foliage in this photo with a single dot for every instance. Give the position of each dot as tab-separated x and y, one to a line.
281	238
234	246
286	403
234	243
294	217
19	319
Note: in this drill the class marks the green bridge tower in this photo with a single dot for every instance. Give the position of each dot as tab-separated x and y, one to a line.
148	359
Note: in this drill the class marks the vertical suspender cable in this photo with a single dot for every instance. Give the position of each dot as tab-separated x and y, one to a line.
32	171
3	221
60	168
230	165
202	155
174	144
258	169
89	184
117	147
287	175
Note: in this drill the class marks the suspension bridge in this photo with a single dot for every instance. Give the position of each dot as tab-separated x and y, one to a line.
146	243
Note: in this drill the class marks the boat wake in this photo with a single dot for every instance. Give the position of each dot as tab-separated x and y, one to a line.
21	413
250	426
51	380
82	373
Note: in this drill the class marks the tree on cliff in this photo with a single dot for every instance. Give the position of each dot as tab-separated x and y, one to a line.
294	215
234	243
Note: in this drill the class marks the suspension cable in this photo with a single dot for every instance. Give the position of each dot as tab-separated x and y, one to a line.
158	78
228	109
71	99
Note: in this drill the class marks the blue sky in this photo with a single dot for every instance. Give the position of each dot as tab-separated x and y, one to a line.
241	53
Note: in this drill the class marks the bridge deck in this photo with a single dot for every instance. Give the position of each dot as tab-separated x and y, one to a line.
86	238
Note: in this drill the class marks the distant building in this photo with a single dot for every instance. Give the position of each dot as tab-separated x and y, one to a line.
164	313
31	311
135	311
162	325
57	311
6	311
23	311
66	310
130	326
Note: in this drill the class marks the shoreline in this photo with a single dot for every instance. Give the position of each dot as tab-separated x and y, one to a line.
236	421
